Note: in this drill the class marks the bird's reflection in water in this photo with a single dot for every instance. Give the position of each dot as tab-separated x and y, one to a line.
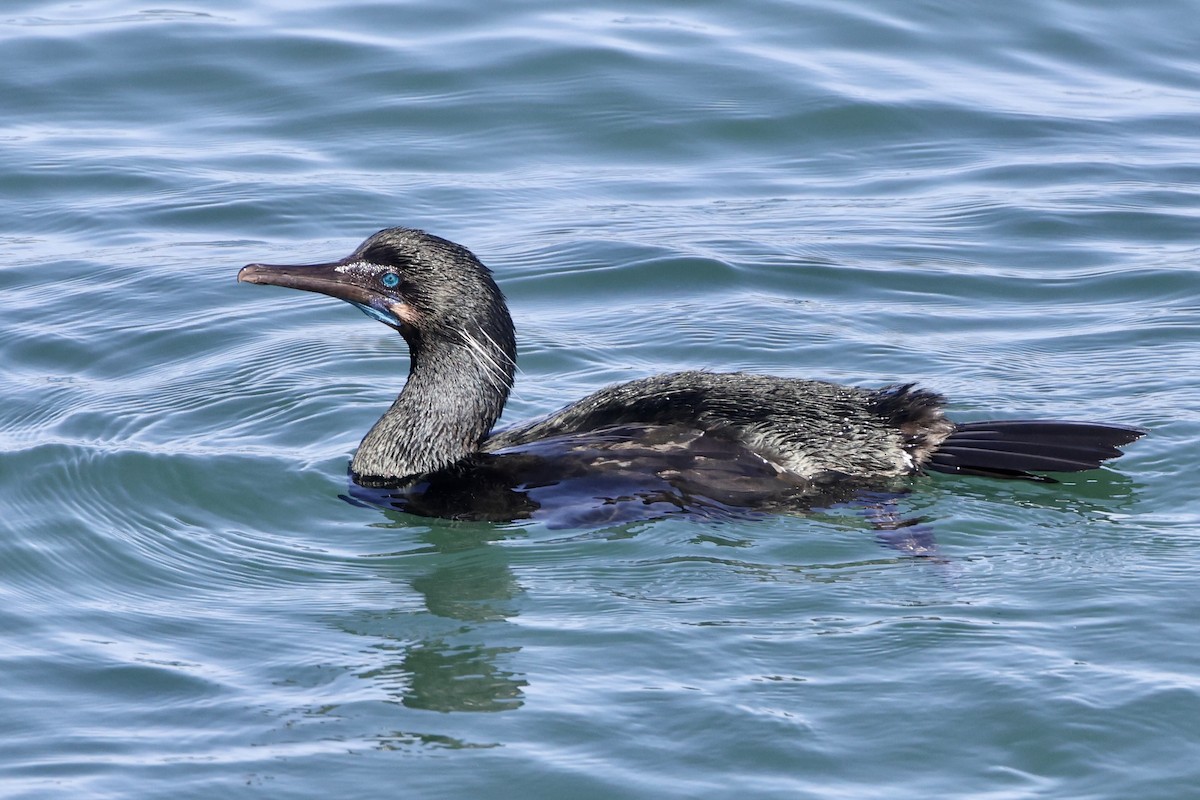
464	660
452	667
465	676
470	582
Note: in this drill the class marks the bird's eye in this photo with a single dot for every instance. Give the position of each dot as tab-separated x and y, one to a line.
390	279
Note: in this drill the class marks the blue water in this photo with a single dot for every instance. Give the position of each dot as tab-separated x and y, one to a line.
1001	201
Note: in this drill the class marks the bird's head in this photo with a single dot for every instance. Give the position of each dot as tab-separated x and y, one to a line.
425	287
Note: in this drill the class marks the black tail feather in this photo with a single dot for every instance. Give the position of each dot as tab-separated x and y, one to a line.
1019	448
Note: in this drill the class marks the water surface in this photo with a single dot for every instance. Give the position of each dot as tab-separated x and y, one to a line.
1001	202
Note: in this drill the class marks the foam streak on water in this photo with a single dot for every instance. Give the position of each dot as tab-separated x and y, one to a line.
998	200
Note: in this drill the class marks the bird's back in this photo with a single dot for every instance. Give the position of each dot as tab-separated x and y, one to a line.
804	428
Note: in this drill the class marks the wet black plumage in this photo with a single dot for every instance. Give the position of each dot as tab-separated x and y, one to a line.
1016	448
737	438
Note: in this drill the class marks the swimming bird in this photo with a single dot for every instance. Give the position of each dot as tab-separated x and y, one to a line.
733	438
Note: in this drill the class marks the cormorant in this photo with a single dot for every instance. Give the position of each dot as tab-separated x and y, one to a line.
736	439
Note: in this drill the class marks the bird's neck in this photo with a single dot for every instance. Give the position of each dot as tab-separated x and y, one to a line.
457	386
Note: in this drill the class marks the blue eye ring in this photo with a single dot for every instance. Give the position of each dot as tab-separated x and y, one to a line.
390	279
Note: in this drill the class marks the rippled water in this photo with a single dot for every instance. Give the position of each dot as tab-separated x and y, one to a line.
998	200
